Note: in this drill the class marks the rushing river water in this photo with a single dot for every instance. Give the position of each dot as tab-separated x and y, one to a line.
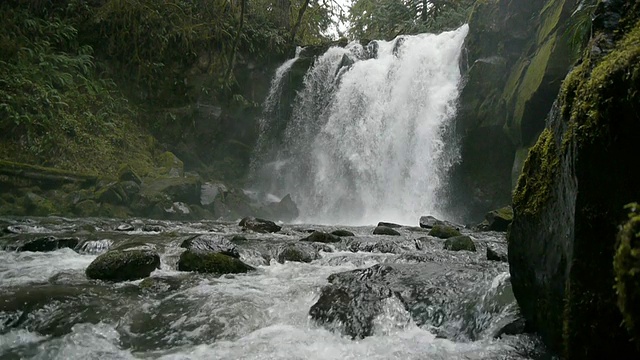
50	310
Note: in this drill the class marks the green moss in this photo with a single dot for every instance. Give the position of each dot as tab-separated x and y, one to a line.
123	265
626	266
214	263
535	184
443	231
530	84
460	243
588	91
550	16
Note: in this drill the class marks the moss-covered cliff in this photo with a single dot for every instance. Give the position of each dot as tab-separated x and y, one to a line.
569	201
517	53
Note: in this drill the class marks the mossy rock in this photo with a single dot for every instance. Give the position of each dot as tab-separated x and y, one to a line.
499	219
211	263
49	243
626	265
444	231
170	165
123	265
460	243
126	173
39	206
86	208
385	230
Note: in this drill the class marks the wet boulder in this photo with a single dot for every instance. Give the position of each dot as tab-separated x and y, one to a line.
379	245
321	237
211	263
342	233
389	225
286	209
298	252
460	243
353	300
427	222
384	230
124	265
48	243
211	243
444	231
259	225
499	219
495	254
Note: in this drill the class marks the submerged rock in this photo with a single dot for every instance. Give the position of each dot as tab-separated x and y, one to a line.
298	252
352	300
342	233
211	263
49	243
123	265
259	225
322	237
496	255
125	227
444	231
383	230
459	243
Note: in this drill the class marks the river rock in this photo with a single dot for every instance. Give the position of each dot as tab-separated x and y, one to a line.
353	299
378	245
444	231
212	244
286	209
427	222
321	237
298	252
494	254
389	225
342	233
259	225
123	265
459	243
499	219
125	227
49	243
384	230
211	263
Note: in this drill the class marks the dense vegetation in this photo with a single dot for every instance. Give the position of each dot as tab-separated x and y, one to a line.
84	83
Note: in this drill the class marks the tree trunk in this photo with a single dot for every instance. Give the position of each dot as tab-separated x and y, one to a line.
236	41
296	26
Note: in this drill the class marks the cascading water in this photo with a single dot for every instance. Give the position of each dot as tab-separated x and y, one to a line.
367	138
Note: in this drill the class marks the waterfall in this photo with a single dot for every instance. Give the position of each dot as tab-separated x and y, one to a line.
367	138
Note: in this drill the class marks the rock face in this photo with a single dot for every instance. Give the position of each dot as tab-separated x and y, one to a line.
259	225
123	265
517	53
570	198
627	270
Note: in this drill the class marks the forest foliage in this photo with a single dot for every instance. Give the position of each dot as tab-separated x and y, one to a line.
77	76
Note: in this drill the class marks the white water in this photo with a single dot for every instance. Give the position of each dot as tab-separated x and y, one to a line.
367	142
